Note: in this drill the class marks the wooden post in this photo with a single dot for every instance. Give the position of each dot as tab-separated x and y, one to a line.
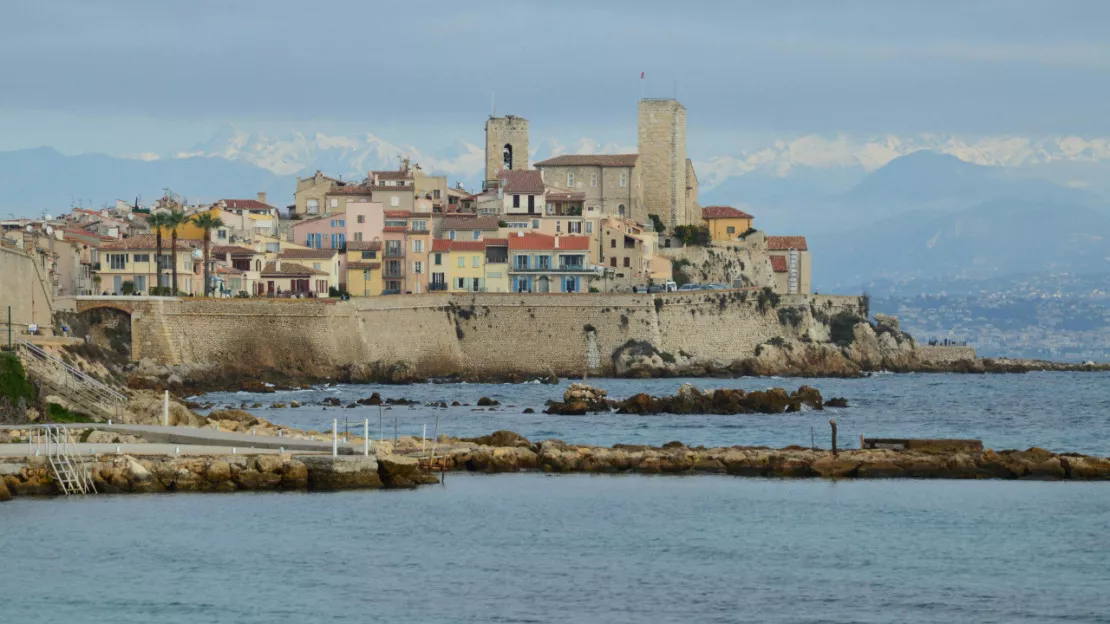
832	422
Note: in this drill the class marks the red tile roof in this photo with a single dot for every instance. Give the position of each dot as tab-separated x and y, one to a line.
309	253
364	245
783	243
228	270
234	250
397	214
590	160
778	264
531	241
445	245
496	241
723	212
441	245
488	223
528	181
149	241
289	269
363	266
246	204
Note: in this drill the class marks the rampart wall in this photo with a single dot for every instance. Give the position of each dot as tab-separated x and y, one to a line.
467	334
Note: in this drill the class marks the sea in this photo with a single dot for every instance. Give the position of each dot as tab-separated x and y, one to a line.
593	548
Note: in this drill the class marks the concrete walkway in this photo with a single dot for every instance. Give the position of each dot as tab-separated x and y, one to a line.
81	449
170	437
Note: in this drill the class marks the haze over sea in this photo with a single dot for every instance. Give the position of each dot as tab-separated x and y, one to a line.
543	548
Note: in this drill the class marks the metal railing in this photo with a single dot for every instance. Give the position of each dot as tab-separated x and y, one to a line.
68	466
73	384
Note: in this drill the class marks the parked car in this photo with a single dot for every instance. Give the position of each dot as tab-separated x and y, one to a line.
689	287
656	288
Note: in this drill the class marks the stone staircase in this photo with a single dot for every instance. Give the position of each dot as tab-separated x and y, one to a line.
56	377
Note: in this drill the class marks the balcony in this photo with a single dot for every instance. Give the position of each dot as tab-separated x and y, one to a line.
562	268
437	286
395	252
389	273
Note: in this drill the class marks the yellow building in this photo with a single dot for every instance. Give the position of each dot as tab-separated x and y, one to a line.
726	223
364	268
458	266
135	260
220	236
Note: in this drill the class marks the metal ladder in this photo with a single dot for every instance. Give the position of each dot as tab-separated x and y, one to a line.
71	473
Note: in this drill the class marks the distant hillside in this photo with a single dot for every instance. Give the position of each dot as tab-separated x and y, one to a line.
43	179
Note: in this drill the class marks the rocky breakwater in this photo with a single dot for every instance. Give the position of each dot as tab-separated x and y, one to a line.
505	451
580	399
114	474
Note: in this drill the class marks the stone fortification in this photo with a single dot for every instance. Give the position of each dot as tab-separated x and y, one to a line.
486	334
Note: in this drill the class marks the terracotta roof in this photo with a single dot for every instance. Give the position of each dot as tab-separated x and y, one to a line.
778	264
397	214
441	244
783	243
289	269
496	241
363	266
590	160
149	241
559	194
393	175
364	245
383	187
531	241
246	204
354	189
528	181
228	270
309	253
488	223
234	250
723	212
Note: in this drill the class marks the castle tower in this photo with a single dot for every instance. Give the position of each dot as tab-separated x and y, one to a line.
506	145
662	139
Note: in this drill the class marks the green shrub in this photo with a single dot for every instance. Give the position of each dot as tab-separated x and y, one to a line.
768	298
842	328
59	414
657	223
790	316
692	235
13	379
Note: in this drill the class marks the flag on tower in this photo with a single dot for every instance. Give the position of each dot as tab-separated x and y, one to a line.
641	75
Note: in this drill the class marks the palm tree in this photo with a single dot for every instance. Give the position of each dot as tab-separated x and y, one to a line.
207	222
174	219
156	223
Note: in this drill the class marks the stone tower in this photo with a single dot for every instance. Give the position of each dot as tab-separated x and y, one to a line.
662	138
506	145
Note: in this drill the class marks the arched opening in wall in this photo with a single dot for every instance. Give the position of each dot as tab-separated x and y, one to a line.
507	157
107	330
621	210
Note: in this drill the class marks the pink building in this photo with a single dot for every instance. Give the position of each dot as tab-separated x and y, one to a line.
363	221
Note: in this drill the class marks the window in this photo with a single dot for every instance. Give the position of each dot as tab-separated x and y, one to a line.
435	194
570	180
574	227
316	265
394	201
338	241
620	209
589	228
531	204
612	242
437	259
418	267
462	262
460	283
624	179
361	219
612	261
521	262
418	246
334	203
477	234
516	201
140	258
313	206
221	234
535	224
273	247
117	261
477	261
451	235
627	262
369	255
420	226
593	179
358	236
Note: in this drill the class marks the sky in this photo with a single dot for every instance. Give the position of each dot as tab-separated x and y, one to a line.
131	76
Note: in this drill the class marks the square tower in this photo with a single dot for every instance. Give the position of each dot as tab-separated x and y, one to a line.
662	139
506	145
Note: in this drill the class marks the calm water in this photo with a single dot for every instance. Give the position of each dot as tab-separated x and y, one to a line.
1058	411
535	548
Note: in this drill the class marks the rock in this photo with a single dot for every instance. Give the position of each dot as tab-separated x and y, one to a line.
146	407
528	410
400	401
487	402
396	471
455	404
218	471
373	399
294	404
837	402
5	494
500	438
254	385
333	401
278	406
341	473
256	405
246	419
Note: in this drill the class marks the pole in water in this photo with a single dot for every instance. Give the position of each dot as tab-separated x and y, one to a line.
812	439
423	438
335	437
394	429
166	409
381	427
366	437
832	423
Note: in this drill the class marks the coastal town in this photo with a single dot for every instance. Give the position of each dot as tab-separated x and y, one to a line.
568	224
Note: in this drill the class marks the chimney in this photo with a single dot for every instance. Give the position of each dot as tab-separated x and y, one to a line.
262	197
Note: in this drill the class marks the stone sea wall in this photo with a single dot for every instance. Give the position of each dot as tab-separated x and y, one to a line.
485	334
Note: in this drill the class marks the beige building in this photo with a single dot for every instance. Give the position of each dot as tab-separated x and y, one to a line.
627	251
610	183
790	264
